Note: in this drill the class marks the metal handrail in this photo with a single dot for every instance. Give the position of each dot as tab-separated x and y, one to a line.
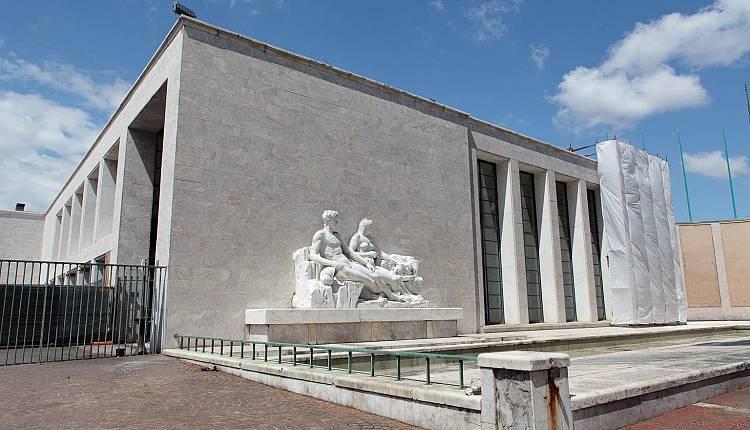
329	349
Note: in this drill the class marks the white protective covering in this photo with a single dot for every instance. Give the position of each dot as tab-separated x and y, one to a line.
662	235
644	276
614	215
650	236
633	206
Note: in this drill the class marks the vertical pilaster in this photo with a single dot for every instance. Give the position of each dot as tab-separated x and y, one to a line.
721	268
74	238
511	245
550	261
89	212
62	250
583	263
98	202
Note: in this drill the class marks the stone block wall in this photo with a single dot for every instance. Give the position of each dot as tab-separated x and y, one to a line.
264	146
21	237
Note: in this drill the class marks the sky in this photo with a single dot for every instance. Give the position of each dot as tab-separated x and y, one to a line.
568	73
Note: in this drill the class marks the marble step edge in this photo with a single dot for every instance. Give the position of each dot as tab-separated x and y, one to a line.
620	392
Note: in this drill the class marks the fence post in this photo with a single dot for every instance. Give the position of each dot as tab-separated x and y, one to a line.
525	389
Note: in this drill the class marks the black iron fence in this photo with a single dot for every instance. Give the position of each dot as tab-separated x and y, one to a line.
58	311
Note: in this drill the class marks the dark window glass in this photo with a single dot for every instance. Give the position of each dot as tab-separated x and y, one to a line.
566	251
490	225
596	253
531	247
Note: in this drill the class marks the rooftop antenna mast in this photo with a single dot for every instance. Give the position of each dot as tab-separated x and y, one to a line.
729	171
643	140
684	177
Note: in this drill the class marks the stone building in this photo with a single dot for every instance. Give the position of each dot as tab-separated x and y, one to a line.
221	158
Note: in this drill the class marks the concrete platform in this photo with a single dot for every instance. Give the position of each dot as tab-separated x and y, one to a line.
318	326
608	390
575	341
617	389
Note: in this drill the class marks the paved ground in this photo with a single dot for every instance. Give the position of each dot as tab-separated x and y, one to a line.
728	412
159	392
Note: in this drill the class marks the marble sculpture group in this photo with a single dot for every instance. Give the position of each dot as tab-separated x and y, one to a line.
331	274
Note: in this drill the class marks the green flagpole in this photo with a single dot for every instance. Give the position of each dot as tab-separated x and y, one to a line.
684	177
729	171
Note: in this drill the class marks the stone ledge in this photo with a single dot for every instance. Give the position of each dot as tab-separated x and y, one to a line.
270	316
621	392
529	361
405	389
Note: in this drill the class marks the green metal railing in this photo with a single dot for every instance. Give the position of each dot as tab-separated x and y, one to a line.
209	345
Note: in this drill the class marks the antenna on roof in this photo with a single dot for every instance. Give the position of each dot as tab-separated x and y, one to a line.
181	9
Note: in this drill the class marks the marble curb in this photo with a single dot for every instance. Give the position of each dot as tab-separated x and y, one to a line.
483	343
529	361
282	316
598	397
416	391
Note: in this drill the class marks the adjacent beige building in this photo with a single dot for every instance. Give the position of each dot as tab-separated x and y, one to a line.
715	261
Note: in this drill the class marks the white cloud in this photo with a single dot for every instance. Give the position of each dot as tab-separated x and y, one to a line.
538	55
591	97
66	78
489	18
438	5
639	79
42	142
714	165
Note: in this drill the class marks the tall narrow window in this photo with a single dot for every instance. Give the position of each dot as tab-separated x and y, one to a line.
489	222
566	251
531	247
596	253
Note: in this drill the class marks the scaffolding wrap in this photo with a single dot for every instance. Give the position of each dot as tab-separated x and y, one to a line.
644	277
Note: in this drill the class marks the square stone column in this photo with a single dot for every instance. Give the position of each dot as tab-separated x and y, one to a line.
515	301
550	260
583	259
525	390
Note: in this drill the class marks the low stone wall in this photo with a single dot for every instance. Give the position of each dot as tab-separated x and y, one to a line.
316	326
716	263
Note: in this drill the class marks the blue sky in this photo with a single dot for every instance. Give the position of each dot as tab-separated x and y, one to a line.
568	73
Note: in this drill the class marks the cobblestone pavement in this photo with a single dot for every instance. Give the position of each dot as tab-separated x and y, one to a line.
159	392
728	412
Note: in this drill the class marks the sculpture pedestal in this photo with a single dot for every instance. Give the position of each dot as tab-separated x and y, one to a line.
318	326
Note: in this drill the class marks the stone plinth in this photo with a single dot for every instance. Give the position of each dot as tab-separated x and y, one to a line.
525	390
317	326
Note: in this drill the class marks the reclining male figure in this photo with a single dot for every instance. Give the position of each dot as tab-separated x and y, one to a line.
330	250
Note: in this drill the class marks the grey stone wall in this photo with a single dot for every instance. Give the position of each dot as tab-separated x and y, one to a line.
137	197
21	235
20	239
263	147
